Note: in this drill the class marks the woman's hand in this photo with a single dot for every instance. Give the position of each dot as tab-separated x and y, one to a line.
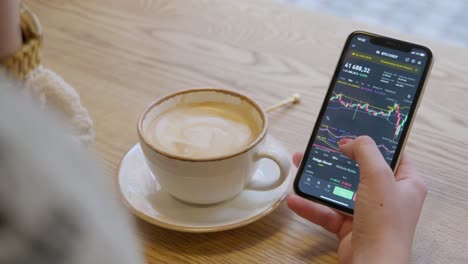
387	208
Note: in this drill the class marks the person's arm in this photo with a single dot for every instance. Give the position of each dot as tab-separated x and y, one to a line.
20	57
10	31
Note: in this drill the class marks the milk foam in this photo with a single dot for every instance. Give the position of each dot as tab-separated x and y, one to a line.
203	130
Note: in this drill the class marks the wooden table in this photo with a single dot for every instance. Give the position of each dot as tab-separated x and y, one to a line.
120	55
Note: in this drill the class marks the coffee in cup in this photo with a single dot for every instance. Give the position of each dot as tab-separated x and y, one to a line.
203	130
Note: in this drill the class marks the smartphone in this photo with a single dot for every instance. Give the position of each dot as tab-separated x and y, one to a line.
375	91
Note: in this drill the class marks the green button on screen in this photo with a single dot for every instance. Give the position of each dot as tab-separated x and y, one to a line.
343	193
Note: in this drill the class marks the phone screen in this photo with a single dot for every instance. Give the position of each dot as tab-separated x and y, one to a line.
374	92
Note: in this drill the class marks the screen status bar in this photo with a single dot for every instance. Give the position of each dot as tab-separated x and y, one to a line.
411	61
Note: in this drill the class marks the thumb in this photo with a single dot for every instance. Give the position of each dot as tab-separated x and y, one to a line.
373	169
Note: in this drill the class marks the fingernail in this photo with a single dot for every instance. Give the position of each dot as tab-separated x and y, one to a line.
344	141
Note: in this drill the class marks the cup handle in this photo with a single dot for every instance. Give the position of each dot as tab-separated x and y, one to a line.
281	157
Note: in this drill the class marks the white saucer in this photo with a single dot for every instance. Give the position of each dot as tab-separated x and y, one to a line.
143	195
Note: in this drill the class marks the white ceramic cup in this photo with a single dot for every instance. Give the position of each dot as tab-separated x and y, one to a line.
211	180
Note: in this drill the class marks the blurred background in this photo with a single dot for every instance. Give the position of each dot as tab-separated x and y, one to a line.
442	20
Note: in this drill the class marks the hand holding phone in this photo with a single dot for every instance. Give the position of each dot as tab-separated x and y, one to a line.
387	208
375	91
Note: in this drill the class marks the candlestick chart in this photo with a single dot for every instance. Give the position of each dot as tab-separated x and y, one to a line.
392	114
381	117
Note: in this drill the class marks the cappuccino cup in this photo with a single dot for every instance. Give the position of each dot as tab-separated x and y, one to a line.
203	145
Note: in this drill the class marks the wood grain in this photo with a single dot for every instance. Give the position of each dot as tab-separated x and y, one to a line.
120	55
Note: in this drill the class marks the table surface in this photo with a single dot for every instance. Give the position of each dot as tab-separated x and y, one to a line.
120	55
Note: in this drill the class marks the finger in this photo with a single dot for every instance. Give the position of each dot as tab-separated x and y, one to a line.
316	213
405	168
373	168
297	157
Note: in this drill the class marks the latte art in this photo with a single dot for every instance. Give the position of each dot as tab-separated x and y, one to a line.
204	130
